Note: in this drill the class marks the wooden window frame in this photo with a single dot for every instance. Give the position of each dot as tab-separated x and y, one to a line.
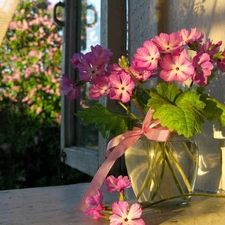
113	36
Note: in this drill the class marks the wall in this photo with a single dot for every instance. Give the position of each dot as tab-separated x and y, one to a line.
150	17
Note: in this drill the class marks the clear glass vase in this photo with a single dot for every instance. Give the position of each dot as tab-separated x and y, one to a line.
161	171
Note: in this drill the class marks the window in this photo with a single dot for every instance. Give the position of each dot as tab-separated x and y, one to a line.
78	154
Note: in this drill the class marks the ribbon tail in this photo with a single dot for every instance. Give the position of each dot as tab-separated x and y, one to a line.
104	169
118	139
98	180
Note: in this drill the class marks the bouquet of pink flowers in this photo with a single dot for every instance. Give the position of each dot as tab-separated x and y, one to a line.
181	108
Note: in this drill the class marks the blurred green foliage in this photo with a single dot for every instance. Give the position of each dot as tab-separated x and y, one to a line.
30	70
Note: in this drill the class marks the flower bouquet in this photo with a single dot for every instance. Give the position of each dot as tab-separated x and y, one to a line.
176	105
165	57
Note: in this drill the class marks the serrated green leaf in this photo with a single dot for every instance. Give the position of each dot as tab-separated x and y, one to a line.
214	110
163	94
181	111
170	91
106	121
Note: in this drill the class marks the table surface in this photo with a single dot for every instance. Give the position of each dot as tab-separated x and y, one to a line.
57	206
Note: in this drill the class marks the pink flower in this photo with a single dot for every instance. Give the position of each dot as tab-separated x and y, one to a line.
69	88
100	88
38	110
221	62
176	67
117	184
103	53
91	68
194	35
93	64
168	43
95	205
147	56
140	73
210	48
76	59
123	215
114	68
95	211
203	67
95	199
121	86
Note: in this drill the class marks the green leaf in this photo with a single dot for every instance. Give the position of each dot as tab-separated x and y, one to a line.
106	121
163	94
170	91
214	110
177	110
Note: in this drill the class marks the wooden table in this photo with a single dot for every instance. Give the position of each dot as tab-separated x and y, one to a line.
56	206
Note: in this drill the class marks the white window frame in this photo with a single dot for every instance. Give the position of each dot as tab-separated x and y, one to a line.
113	36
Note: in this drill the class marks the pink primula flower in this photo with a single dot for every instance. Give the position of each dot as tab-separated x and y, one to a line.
194	35
100	88
203	67
103	53
176	67
168	43
123	215
121	86
117	184
91	68
147	56
141	74
95	211
76	59
95	205
69	88
221	62
95	199
210	48
114	68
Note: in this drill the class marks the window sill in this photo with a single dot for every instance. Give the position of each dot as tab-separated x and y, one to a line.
83	159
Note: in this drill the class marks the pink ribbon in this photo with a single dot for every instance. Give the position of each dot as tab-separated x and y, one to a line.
120	144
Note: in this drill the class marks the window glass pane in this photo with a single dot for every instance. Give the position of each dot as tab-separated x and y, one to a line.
90	35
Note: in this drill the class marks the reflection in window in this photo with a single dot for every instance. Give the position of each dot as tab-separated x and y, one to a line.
90	35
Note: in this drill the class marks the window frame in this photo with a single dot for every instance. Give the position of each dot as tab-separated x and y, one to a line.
113	36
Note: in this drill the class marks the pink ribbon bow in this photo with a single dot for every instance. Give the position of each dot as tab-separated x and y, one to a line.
122	143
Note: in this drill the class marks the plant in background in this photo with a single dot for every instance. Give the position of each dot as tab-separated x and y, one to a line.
31	62
30	70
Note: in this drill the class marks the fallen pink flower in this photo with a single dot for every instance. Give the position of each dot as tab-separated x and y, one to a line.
117	184
123	215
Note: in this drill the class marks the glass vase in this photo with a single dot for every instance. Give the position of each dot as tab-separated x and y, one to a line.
162	171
